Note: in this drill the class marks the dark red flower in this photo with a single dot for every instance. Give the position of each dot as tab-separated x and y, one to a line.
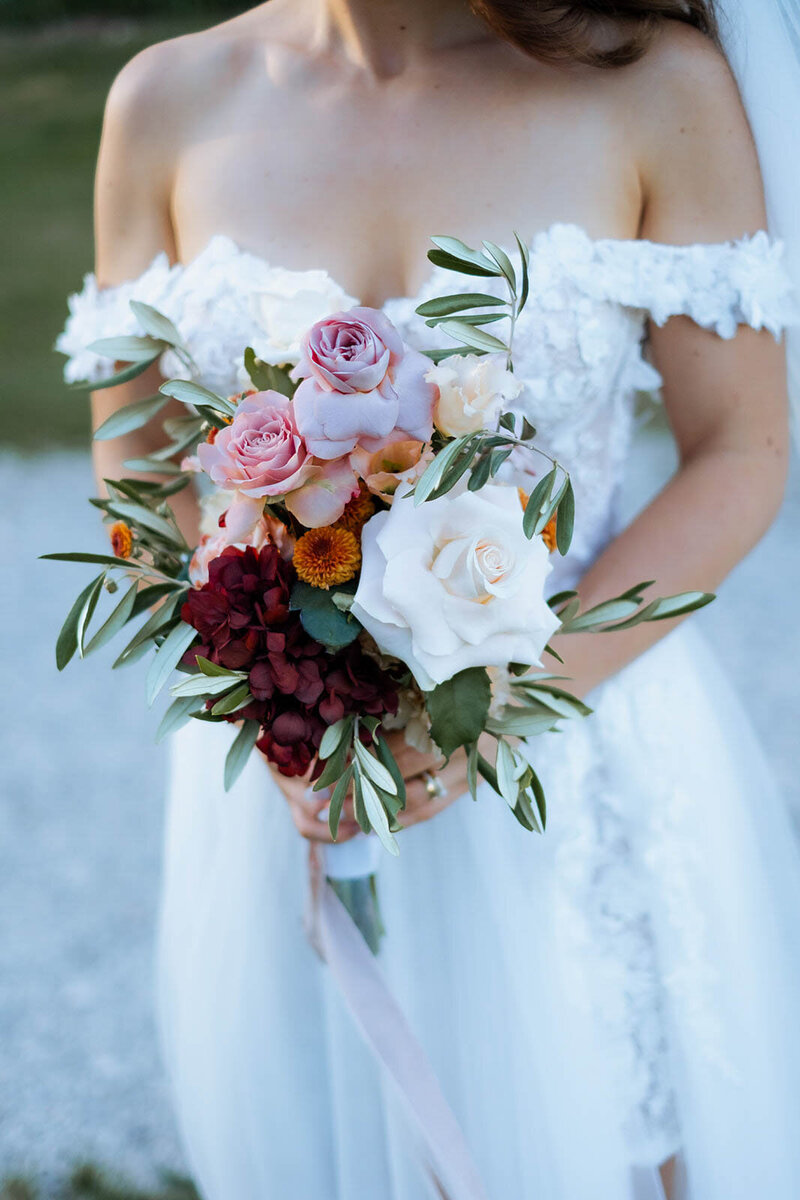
243	617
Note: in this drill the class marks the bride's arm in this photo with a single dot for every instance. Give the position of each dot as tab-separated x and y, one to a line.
726	400
132	226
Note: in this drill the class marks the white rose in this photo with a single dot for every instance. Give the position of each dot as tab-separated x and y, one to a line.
472	392
454	583
288	308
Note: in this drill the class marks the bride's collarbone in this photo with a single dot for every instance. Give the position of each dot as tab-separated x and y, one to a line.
304	176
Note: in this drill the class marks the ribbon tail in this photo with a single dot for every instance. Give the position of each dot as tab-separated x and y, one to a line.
386	1031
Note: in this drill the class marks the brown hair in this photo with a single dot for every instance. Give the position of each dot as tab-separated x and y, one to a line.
559	31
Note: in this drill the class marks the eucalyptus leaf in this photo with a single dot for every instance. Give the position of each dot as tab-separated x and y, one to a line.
359	811
498	254
131	417
338	797
464	254
240	697
445	306
383	750
193	393
67	642
86	615
152	466
179	713
516	721
239	752
472	770
506	777
601	614
537	502
107	560
156	623
334	765
167	658
433	474
147	596
377	816
119	616
524	255
374	769
480	473
125	376
207	667
440	258
333	735
128	349
478	339
204	685
155	323
565	519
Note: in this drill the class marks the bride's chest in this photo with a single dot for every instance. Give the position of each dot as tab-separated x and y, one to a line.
360	184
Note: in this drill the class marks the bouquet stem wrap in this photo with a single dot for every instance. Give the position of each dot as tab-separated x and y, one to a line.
447	1158
351	869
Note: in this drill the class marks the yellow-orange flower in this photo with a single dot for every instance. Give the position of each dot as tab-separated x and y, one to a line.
121	539
549	534
327	556
357	511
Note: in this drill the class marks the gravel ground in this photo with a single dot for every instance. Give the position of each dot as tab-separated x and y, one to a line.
80	811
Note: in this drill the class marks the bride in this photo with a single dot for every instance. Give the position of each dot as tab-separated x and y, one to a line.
612	1009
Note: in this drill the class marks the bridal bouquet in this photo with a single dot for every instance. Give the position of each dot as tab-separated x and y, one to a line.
369	561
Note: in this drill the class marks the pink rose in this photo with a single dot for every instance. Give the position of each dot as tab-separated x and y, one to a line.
261	453
359	382
322	499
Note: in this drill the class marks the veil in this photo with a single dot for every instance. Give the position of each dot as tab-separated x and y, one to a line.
762	41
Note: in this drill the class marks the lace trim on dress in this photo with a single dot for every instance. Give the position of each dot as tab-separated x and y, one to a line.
720	286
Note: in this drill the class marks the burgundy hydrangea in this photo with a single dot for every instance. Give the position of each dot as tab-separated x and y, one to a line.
243	617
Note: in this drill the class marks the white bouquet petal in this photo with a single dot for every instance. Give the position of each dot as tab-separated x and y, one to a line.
454	583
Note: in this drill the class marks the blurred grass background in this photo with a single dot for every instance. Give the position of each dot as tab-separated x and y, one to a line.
53	82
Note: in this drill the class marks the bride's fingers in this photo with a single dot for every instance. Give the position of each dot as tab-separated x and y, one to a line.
315	829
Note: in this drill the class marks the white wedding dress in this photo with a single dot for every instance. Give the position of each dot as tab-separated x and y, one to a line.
623	989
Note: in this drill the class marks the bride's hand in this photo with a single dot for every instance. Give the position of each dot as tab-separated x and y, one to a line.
420	804
307	806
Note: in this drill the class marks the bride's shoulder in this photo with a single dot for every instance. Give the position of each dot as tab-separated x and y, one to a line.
178	82
692	141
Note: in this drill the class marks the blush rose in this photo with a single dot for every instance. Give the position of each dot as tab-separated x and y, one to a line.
261	453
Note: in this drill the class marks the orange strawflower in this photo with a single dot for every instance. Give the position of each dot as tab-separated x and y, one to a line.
121	539
549	533
357	511
523	497
327	556
211	436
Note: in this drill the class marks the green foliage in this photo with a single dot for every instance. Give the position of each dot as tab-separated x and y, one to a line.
458	709
322	618
265	377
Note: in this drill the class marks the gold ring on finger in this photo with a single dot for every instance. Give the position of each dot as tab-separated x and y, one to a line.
433	785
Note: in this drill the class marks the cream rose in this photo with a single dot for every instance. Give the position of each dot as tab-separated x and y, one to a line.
472	392
454	583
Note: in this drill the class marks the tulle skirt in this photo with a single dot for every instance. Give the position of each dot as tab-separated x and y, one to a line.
624	989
